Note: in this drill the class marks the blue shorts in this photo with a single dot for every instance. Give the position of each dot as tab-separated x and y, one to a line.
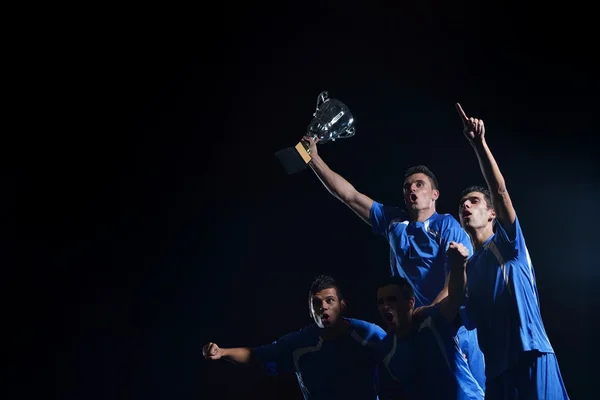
535	376
467	341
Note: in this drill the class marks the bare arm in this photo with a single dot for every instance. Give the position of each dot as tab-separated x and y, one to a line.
237	355
505	211
458	255
474	130
340	187
453	233
442	295
444	292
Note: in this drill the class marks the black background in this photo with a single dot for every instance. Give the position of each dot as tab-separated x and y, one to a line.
154	218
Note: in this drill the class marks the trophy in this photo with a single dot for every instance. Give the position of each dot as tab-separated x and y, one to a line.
332	120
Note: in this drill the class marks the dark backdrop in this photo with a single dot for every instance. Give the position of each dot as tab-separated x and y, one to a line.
154	216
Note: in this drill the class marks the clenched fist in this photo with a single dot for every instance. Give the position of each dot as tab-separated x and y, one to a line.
211	351
312	145
457	253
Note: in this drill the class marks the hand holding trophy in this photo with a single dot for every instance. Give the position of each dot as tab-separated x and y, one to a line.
332	120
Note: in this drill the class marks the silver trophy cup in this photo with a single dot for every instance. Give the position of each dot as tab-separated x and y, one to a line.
332	120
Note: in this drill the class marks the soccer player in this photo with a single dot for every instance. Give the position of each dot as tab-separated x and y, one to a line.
421	356
418	238
334	358
503	300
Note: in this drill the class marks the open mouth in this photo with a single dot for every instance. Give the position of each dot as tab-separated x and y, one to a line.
413	197
325	317
466	214
388	316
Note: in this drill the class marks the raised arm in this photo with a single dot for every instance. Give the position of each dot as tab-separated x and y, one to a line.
458	255
338	186
444	292
237	355
474	131
452	232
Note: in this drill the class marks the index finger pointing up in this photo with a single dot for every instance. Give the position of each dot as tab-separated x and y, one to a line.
461	113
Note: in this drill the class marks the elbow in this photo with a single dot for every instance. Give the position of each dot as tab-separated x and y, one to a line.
501	188
347	196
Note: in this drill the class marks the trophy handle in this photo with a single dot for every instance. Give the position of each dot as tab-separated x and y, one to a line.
348	133
322	98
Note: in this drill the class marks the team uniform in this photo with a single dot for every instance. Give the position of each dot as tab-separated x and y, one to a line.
427	363
418	253
341	368
503	303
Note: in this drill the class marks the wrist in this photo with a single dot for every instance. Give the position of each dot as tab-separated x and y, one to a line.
477	143
314	159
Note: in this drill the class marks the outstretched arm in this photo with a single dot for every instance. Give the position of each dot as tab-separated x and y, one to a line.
237	355
338	186
474	130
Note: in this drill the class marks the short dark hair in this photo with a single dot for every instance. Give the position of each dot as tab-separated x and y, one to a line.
484	191
423	170
405	287
320	283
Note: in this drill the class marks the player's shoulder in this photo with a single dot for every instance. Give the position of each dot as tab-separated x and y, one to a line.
305	333
428	321
422	313
306	336
447	220
509	233
367	330
444	223
391	211
361	325
311	330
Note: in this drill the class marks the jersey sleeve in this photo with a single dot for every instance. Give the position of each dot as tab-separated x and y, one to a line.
382	216
453	232
367	333
277	357
509	239
374	334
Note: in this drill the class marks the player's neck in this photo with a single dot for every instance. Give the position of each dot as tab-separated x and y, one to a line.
480	236
421	215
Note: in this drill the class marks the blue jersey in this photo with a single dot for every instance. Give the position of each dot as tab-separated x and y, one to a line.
341	368
418	249
427	363
503	300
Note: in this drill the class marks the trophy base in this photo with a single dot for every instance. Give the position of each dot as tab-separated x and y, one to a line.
293	159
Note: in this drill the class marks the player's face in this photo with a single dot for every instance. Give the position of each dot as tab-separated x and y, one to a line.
326	308
418	192
393	307
473	211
